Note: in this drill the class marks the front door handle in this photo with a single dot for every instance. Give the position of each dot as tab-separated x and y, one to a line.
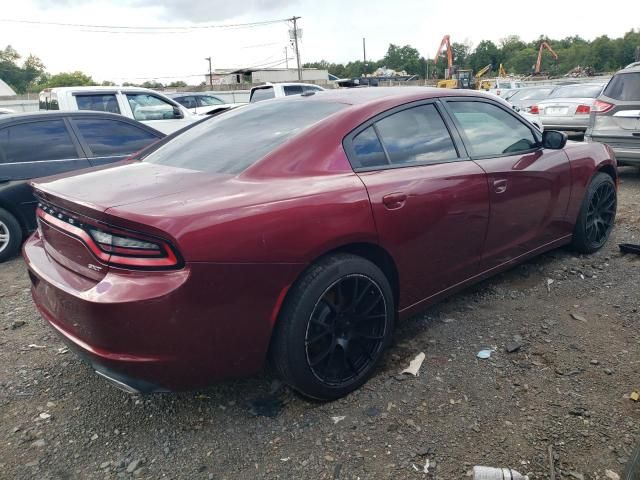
393	201
500	186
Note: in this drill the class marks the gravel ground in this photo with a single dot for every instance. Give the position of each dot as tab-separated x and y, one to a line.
566	386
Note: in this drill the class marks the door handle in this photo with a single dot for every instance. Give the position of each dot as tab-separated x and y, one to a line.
393	201
500	186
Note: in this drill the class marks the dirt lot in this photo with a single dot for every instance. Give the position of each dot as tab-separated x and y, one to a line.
567	387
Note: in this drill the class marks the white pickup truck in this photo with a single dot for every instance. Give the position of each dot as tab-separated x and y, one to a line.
142	104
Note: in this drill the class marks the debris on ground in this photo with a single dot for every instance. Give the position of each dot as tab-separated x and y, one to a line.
611	475
491	473
267	406
414	365
338	419
484	354
629	248
635	396
577	316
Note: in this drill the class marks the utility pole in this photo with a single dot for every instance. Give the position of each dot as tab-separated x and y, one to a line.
295	39
286	57
210	73
364	54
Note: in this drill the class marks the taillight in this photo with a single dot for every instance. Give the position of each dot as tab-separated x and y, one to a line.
600	107
114	246
534	109
583	109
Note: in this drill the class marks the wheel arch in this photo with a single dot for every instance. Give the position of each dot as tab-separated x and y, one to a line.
16	214
610	170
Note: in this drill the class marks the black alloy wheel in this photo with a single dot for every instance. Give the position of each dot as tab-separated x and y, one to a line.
346	329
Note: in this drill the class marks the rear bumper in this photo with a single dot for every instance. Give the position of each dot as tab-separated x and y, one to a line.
574	124
625	155
159	331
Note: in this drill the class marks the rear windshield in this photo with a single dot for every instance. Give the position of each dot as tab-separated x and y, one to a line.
232	142
624	87
577	91
534	94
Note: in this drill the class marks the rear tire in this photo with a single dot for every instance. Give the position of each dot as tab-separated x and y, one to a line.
334	326
10	235
597	215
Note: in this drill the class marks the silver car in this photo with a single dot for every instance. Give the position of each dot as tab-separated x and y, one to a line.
568	108
526	97
615	116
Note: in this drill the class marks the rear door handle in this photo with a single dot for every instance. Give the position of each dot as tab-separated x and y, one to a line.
393	201
500	186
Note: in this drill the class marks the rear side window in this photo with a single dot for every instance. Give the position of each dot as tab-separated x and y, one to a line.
98	103
112	138
38	141
624	87
293	90
416	135
368	150
207	101
491	131
577	91
260	94
232	142
533	94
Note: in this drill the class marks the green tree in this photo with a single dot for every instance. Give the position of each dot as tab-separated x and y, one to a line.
402	58
176	84
19	77
66	79
152	84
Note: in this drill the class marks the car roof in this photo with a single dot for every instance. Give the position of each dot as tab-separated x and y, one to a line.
46	114
98	88
184	94
286	84
634	69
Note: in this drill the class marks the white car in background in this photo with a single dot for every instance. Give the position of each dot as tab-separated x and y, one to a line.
279	90
202	103
4	111
146	106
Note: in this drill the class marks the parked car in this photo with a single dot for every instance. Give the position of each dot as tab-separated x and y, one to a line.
279	90
142	104
45	143
615	116
533	119
526	97
568	107
5	111
302	229
202	103
503	85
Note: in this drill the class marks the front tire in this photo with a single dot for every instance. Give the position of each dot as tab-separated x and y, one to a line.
597	215
10	235
336	322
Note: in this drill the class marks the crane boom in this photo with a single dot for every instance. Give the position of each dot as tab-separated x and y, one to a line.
446	42
544	45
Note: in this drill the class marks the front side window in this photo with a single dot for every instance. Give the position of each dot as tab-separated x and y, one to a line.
491	131
208	101
187	102
39	141
293	90
260	94
112	138
416	135
146	107
98	103
624	87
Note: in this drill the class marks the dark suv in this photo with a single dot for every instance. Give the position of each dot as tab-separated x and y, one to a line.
47	143
615	116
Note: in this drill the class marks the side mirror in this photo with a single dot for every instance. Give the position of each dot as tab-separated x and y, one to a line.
554	140
177	113
516	108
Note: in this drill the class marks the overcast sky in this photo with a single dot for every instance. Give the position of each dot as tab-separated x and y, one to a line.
332	30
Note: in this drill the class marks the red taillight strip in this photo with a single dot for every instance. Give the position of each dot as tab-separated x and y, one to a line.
169	261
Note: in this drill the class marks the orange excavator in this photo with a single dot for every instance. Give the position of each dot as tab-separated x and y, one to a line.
544	45
453	78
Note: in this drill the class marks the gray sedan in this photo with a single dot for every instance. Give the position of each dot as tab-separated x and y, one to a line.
568	108
524	98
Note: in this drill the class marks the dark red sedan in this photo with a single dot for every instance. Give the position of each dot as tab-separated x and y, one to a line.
301	230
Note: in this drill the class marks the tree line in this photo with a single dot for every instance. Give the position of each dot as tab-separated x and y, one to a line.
603	54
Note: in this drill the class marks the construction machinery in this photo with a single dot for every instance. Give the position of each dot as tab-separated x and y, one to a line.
502	72
453	77
543	45
483	84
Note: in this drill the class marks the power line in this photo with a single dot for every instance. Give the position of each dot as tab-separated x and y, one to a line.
146	28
